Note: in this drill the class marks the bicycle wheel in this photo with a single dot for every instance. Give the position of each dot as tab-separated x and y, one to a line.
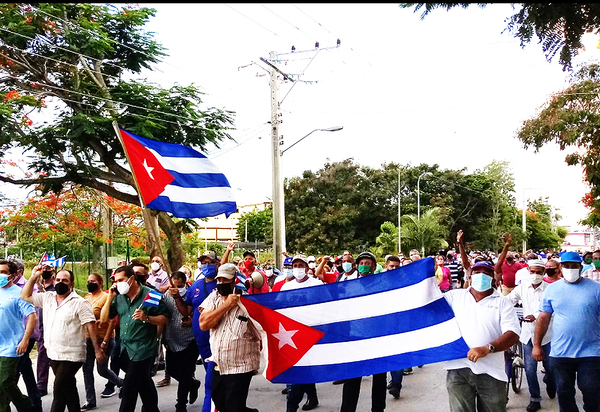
516	378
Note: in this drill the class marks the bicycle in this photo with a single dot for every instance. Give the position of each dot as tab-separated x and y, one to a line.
513	358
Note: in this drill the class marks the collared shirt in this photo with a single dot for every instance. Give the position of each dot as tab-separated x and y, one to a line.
455	269
177	337
138	338
294	284
64	331
481	323
13	310
158	279
531	298
592	274
235	341
97	303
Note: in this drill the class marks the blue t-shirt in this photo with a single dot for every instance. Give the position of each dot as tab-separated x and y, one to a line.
576	318
13	310
195	295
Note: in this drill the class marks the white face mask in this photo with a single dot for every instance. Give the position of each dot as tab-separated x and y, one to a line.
311	265
155	266
123	287
299	273
269	272
289	273
570	275
347	266
182	291
535	279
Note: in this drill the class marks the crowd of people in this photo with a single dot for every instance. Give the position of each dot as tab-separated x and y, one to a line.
148	317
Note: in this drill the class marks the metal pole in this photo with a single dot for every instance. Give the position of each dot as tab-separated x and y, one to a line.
524	224
278	211
399	217
419	212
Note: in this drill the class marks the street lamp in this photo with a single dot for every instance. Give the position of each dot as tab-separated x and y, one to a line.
278	205
419	209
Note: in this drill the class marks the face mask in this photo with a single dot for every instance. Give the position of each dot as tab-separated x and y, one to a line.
550	271
299	273
209	271
596	264
289	273
248	264
3	280
182	291
364	269
481	282
61	288
347	266
225	289
46	274
588	260
92	287
155	266
536	279
311	265
123	287
340	269
570	275
269	272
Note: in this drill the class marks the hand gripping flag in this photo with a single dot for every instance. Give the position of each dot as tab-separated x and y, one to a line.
177	179
387	321
152	298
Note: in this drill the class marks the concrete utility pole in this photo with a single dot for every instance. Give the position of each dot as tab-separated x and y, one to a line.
278	206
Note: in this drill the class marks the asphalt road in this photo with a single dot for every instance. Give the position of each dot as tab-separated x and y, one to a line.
422	391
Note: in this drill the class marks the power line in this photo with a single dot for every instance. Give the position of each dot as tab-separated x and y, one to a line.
296	27
255	22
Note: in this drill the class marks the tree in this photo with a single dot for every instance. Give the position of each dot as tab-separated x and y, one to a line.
571	118
256	226
425	233
74	65
558	26
387	242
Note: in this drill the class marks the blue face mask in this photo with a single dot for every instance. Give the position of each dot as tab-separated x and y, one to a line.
3	280
481	282
209	271
347	266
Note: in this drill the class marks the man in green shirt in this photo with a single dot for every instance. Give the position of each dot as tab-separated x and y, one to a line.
138	334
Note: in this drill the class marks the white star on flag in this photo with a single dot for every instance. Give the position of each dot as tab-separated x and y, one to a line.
285	337
148	169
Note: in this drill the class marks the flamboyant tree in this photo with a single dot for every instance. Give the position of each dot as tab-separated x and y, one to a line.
77	66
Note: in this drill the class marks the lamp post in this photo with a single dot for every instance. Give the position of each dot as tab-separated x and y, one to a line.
419	209
278	205
399	217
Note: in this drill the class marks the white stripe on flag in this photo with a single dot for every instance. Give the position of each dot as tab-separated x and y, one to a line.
198	196
378	304
343	352
187	165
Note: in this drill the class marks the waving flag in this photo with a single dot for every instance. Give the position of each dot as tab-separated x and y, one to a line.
382	322
52	261
177	179
152	298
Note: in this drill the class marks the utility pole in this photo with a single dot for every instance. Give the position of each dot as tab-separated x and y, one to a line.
278	207
399	217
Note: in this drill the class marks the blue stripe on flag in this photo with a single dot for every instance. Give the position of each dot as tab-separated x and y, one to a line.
199	180
327	373
381	282
168	149
391	324
191	210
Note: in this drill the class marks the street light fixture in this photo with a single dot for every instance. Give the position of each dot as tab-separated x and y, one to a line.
278	205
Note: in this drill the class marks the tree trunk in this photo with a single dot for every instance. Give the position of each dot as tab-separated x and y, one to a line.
175	253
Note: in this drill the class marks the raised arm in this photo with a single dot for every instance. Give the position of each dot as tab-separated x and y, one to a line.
230	248
463	253
27	291
498	267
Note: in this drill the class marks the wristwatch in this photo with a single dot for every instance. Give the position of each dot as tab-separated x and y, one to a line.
491	348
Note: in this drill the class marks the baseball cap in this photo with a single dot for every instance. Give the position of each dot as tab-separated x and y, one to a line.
227	271
536	262
366	255
249	252
288	261
339	257
209	254
300	257
570	257
486	265
311	259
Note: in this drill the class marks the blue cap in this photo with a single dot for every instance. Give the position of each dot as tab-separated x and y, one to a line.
484	264
570	257
288	261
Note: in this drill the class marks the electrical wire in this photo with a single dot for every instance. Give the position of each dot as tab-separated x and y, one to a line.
255	22
296	27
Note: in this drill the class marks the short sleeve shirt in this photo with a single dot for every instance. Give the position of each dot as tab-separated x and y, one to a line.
158	279
575	309
194	296
64	331
13	310
138	338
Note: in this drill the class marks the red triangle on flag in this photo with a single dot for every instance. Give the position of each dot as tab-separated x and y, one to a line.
288	339
151	176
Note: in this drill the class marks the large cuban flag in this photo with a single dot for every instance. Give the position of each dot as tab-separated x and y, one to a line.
379	323
177	178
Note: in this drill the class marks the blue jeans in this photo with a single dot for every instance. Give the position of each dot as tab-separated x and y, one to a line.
531	371
397	377
469	392
587	373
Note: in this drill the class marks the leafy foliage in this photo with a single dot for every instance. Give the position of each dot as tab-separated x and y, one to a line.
259	224
425	233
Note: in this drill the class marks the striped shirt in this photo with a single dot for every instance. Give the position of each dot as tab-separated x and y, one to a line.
592	274
235	341
177	337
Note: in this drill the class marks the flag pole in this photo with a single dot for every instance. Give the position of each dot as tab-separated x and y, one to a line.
137	186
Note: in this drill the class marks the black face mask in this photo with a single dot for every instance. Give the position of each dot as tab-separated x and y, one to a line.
225	289
340	269
141	279
550	271
46	274
61	288
92	287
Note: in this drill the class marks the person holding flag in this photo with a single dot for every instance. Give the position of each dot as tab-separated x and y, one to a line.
140	311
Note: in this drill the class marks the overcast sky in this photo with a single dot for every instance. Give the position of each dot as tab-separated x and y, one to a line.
451	89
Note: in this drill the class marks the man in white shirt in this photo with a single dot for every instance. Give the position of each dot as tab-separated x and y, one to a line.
530	292
158	277
489	325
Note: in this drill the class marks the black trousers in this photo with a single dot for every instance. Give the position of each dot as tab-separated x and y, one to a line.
296	393
26	370
65	386
229	392
351	392
137	381
181	366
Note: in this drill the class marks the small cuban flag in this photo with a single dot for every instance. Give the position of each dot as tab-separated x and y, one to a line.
152	298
